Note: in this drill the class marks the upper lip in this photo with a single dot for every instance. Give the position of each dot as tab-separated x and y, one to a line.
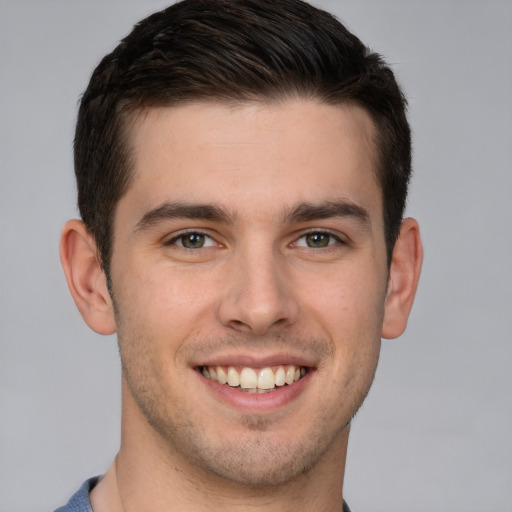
256	360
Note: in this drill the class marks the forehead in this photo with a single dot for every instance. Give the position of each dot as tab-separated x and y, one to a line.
253	156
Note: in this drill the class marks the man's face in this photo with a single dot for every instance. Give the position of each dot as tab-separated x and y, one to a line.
251	244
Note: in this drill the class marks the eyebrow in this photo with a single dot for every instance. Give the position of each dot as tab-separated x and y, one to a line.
178	210
303	212
306	212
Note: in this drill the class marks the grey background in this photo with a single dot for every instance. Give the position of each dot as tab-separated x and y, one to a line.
436	431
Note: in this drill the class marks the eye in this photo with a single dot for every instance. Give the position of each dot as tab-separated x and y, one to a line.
317	240
192	240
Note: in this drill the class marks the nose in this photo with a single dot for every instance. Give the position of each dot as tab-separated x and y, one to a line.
259	294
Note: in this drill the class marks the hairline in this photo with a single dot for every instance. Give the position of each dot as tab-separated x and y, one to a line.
131	116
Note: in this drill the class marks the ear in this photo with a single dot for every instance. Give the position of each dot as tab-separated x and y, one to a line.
404	275
86	280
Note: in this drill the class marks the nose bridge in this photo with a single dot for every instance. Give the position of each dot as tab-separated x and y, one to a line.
258	294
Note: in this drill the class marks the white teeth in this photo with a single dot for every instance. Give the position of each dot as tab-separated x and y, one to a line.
280	377
255	381
266	379
233	377
248	378
221	375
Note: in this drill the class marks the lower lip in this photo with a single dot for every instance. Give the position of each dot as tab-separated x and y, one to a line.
257	402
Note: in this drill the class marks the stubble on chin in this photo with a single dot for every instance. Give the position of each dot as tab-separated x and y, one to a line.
257	459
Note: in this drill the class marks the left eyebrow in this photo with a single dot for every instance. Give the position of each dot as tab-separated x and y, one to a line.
306	212
173	210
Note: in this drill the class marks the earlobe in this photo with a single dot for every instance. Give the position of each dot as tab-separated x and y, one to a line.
85	277
404	275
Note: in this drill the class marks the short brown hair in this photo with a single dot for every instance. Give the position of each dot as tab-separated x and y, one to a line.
232	50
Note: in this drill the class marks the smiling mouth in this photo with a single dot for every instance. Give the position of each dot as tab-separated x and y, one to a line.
255	380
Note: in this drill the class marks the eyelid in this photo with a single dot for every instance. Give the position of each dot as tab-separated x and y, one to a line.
176	236
336	236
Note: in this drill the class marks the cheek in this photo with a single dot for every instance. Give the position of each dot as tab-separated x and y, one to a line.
350	310
167	304
348	301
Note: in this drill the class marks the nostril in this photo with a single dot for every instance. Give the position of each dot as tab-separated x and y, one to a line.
239	326
256	303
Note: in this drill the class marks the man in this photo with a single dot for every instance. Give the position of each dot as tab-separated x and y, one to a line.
242	170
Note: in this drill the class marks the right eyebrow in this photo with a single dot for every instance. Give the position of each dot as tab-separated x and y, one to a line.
305	212
172	210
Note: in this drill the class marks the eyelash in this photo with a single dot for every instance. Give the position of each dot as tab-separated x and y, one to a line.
332	240
182	236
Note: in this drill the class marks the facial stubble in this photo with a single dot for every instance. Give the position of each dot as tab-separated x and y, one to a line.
259	458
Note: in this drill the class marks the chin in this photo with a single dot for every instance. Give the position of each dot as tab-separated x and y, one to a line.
260	463
255	456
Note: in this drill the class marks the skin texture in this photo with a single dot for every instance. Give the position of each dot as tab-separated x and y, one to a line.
254	294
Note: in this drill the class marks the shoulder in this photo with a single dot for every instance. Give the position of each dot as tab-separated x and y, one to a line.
80	502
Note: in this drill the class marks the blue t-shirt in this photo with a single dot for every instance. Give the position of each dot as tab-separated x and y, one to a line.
80	501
